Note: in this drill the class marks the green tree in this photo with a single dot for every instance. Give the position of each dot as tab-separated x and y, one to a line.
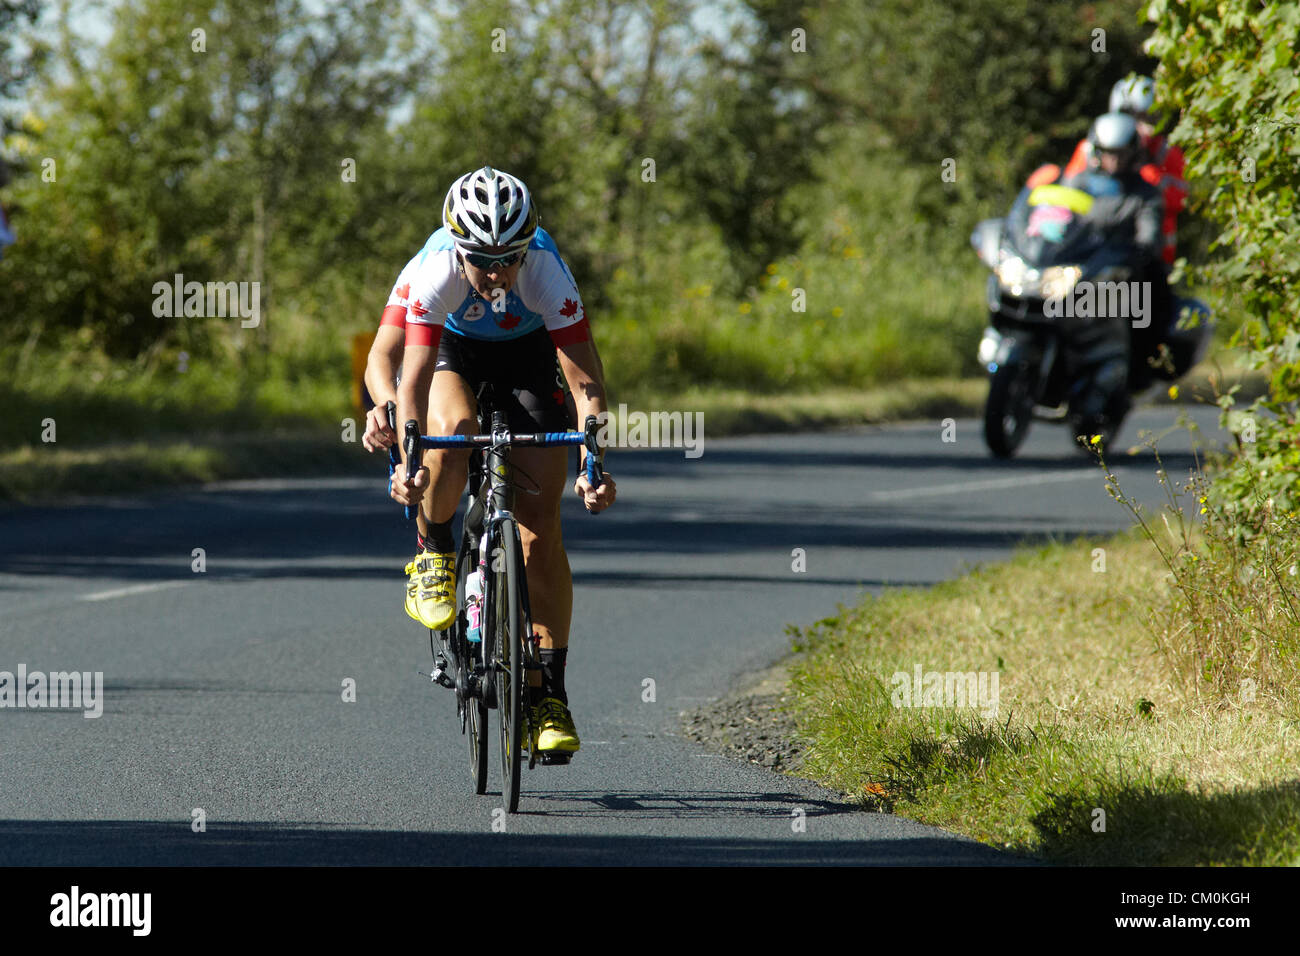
207	140
16	67
1228	67
998	86
755	134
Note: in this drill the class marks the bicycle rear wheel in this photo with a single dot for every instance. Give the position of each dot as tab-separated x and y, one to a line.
508	624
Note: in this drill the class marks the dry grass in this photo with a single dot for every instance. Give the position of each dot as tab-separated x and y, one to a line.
1091	716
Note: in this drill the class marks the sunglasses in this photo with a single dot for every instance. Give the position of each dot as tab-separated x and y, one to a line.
490	262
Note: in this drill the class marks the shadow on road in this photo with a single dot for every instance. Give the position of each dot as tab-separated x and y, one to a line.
127	843
346	529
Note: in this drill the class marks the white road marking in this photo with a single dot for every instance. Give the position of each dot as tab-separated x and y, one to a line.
132	589
992	484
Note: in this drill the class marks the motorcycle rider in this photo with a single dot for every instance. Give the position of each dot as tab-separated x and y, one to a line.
1128	210
1115	151
1163	163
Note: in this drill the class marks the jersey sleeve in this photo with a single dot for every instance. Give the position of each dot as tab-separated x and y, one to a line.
395	308
431	296
553	294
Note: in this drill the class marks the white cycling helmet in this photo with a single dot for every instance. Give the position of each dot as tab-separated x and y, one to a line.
489	209
1135	95
1116	133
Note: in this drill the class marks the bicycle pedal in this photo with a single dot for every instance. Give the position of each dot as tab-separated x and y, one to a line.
555	759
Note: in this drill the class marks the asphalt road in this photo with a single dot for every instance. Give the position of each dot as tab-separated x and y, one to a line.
223	690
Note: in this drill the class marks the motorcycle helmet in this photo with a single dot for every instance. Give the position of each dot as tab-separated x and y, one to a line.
490	210
1135	95
1115	133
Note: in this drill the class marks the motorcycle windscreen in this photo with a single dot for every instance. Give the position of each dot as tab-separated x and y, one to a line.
1049	226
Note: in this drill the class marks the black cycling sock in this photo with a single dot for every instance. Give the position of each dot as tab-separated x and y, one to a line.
438	539
553	661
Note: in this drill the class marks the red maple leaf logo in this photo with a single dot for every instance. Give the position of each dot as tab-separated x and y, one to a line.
509	322
404	292
570	307
418	309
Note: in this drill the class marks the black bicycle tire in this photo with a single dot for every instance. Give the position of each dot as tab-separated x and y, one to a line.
508	622
476	705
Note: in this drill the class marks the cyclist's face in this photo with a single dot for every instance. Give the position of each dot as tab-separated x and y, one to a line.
487	281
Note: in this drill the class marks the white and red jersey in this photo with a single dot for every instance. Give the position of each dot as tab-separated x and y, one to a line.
395	307
432	293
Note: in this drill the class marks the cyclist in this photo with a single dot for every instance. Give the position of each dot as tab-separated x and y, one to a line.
490	299
382	373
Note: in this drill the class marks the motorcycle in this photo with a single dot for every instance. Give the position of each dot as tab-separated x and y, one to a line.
1069	338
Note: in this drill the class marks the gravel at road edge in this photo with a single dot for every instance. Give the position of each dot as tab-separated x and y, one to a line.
750	724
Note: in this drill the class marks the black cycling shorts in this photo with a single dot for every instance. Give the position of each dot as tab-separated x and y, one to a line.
525	373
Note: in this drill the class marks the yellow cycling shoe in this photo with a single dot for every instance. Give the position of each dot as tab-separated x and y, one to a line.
431	589
412	585
557	734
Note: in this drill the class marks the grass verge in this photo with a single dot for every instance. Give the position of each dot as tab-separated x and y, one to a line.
1097	753
43	474
32	473
99	424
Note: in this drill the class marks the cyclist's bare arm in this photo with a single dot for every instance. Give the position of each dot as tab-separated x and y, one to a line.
582	369
381	369
418	362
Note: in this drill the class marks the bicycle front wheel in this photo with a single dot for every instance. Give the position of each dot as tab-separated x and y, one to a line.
508	624
475	703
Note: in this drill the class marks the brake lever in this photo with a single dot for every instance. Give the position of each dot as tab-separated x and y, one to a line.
595	460
412	447
394	457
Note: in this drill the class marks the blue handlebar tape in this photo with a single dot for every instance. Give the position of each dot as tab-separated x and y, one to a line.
538	440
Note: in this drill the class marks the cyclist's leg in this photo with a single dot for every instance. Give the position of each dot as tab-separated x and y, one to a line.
451	412
539	398
550	593
431	585
538	403
550	582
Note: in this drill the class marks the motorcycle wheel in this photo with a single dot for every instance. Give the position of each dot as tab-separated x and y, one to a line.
1009	408
1105	425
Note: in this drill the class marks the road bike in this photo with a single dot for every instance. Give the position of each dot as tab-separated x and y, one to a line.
490	648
